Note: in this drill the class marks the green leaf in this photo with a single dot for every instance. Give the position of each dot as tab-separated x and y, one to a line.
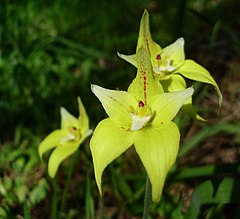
206	171
221	191
26	210
177	212
121	184
39	192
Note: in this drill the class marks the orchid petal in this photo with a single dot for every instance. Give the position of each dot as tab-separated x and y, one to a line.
175	52
167	105
107	143
129	58
177	83
59	154
173	83
191	111
192	70
83	119
157	148
67	119
145	85
51	141
116	104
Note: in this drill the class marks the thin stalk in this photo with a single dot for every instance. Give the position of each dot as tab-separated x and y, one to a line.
68	181
89	206
55	199
26	209
101	208
147	199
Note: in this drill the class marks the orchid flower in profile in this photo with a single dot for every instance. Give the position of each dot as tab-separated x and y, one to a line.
170	66
67	139
141	117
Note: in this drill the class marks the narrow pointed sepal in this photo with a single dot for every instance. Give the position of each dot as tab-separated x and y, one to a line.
83	120
177	83
67	119
157	148
191	111
129	58
167	105
116	104
51	141
192	70
145	38
107	143
59	154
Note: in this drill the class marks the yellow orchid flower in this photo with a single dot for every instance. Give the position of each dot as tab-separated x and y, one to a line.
170	66
67	139
142	117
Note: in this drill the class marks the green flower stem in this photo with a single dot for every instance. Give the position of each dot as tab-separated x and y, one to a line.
101	208
147	199
68	181
55	199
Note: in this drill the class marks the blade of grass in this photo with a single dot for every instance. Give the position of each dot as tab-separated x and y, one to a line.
54	208
26	210
80	48
68	181
89	200
207	132
215	31
205	171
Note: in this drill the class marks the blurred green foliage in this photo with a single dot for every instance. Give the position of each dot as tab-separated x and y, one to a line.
50	52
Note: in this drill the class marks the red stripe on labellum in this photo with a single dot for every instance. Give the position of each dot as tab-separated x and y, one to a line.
149	52
145	85
147	42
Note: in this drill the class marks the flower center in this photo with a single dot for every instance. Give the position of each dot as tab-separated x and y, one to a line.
73	134
140	116
163	65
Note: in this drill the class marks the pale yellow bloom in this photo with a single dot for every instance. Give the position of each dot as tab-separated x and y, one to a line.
67	139
141	117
